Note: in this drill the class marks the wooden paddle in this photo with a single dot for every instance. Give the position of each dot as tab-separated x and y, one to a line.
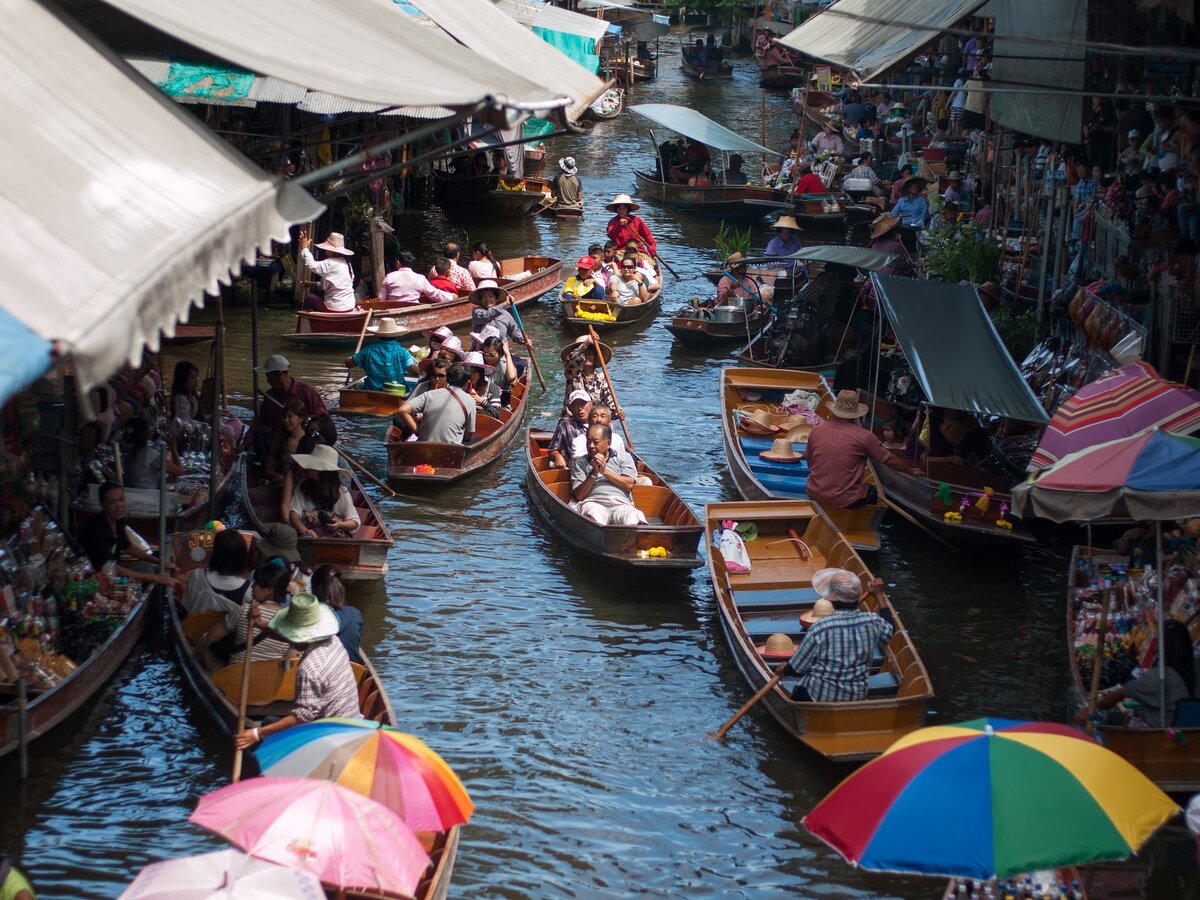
604	368
365	471
532	358
749	704
662	262
241	726
361	337
909	517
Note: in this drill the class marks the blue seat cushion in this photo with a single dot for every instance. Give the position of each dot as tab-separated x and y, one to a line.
792	598
882	684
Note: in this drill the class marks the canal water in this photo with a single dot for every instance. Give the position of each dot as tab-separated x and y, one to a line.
572	702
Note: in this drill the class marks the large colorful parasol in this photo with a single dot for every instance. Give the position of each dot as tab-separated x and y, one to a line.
990	798
222	875
346	840
380	762
1120	403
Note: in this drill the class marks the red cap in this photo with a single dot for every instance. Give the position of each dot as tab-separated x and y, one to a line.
585	262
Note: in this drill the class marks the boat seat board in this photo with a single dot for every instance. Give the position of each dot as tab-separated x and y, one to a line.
792	598
881	684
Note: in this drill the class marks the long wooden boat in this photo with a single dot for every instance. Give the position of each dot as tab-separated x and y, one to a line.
361	557
554	211
607	315
781	78
510	198
525	278
785	285
454	462
360	401
731	202
643	69
828	209
273	692
817	106
700	328
46	709
692	69
671	524
743	390
768	600
1170	757
604	107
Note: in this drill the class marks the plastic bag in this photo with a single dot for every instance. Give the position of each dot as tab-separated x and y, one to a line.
733	550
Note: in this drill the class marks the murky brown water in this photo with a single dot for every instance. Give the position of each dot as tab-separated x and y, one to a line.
571	703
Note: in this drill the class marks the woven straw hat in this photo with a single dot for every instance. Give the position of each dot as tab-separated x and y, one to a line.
335	243
304	620
622	200
781	451
758	421
821	609
883	224
778	644
846	405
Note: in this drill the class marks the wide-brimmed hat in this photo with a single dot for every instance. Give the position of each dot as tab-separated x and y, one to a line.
580	344
822	609
787	222
585	262
305	620
488	285
335	243
735	259
991	289
781	451
454	345
822	583
954	176
911	178
275	363
281	540
387	327
439	334
322	459
622	200
486	332
475	359
756	421
567	164
883	224
779	645
846	406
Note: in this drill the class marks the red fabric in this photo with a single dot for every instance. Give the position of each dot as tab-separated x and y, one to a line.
811	183
444	284
635	229
838	450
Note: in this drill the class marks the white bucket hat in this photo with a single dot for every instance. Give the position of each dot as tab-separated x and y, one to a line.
322	459
567	164
387	327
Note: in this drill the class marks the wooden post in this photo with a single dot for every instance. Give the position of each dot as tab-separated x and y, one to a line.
1098	662
299	291
377	264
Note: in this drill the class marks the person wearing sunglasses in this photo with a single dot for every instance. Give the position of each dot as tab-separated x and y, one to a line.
629	289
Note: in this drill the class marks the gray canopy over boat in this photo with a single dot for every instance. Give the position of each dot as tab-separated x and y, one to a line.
698	127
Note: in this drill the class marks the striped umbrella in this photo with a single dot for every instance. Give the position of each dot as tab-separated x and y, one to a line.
377	761
1118	404
990	798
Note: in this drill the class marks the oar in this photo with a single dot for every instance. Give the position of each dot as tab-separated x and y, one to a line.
749	705
611	389
361	336
662	262
365	471
237	754
532	357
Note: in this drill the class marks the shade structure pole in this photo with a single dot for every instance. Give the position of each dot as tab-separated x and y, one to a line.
254	347
214	475
162	512
1162	655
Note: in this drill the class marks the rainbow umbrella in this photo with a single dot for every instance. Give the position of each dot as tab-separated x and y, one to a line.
990	798
347	841
377	761
1118	404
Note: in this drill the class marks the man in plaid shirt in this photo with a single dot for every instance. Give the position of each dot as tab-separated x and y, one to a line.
833	661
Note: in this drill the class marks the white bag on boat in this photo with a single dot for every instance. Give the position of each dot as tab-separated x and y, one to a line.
733	551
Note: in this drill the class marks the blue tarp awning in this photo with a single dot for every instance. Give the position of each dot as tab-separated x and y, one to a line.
26	355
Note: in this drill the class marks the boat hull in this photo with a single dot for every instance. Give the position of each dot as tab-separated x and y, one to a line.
722	72
623	316
781	78
696	332
732	202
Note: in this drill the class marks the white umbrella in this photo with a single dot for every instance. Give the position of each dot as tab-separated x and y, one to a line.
223	875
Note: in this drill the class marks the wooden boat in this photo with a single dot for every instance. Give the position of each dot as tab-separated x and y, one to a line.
361	557
817	106
1170	757
768	599
785	285
360	401
822	210
186	335
46	709
525	277
608	105
694	327
272	692
731	202
453	462
554	211
613	314
492	194
670	522
743	390
781	78
1067	876
692	69
643	69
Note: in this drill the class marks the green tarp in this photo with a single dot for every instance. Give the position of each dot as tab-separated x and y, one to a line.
206	82
574	46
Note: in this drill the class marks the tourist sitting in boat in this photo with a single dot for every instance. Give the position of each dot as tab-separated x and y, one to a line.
280	547
829	142
608	266
440	277
776	56
625	226
105	538
733	173
491	308
483	264
225	643
1145	710
809	182
451	350
459	275
479	384
283	387
325	683
143	459
447	414
432	378
504	369
864	171
703	177
833	662
785	243
327	586
336	274
955	437
568	189
630	288
894	434
670	158
569	429
404	287
296	436
185	393
320	505
222	586
645	264
737	287
602	481
584	285
838	451
583	373
596	252
598	414
912	207
385	360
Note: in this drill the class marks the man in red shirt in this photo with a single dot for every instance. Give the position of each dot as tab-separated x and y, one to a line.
838	450
810	182
441	277
284	388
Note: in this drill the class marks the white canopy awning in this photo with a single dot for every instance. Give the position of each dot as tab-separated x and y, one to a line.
641	23
541	15
116	215
365	50
839	35
699	127
492	33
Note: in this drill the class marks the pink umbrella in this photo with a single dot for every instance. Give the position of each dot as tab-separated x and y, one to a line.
346	840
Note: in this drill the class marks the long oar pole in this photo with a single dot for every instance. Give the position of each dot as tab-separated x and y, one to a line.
662	262
612	390
241	726
749	704
365	471
532	357
909	517
362	336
